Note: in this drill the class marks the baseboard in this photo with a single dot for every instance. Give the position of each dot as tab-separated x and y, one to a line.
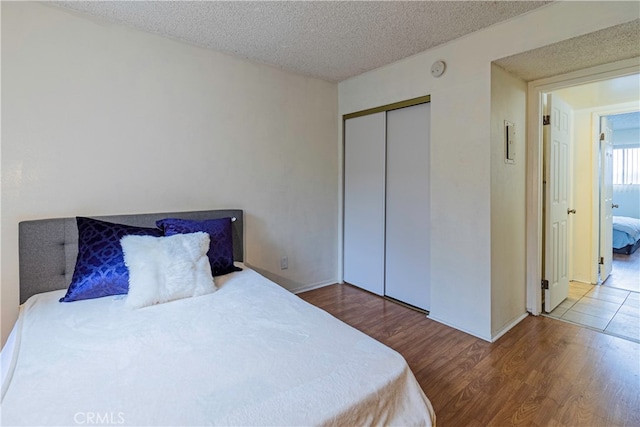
290	285
451	325
586	282
507	328
305	288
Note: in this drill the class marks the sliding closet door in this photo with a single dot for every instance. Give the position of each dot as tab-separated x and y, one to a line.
407	205
364	183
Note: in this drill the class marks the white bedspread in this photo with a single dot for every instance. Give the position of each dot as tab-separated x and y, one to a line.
249	354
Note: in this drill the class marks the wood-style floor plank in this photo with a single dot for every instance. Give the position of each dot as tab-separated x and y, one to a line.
543	372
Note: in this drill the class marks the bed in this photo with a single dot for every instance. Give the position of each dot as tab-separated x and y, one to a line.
248	353
626	234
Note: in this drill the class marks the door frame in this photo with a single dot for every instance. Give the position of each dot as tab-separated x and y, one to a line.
604	246
534	202
596	116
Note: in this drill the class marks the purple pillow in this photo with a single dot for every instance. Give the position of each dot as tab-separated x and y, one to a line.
100	269
221	249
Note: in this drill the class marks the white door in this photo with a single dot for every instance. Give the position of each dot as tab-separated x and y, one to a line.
407	217
364	188
557	209
606	200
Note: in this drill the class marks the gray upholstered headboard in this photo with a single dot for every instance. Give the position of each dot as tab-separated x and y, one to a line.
49	247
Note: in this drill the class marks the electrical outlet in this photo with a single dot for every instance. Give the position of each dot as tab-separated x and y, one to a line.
284	263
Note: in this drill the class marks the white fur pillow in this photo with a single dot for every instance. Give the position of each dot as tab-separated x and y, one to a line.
163	269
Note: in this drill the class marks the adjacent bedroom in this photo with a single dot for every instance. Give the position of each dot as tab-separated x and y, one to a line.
626	201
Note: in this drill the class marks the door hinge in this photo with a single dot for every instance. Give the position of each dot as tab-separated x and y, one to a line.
545	284
601	260
546	120
602	136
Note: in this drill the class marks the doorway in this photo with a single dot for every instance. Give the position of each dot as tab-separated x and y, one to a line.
537	89
596	299
598	120
626	201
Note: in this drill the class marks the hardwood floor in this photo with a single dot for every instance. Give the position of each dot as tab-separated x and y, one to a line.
543	372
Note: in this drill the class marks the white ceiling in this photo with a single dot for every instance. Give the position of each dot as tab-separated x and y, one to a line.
331	40
620	90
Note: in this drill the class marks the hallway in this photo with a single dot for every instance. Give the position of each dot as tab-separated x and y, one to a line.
603	308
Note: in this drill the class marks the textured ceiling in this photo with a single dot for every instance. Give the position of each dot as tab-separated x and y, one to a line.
601	47
331	40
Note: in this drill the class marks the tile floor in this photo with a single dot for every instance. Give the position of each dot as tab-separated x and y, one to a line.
609	310
626	272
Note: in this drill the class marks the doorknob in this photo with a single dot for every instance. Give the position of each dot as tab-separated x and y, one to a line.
614	206
571	211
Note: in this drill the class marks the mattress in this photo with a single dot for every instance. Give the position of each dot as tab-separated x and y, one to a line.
626	231
250	353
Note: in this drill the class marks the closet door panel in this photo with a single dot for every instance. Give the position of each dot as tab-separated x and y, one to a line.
364	188
407	206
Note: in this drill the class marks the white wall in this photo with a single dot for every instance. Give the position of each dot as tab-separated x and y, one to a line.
461	233
103	119
626	137
508	102
584	241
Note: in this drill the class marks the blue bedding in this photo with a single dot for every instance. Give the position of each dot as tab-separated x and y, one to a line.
626	231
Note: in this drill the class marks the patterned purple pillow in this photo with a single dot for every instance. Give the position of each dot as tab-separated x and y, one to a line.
221	249
100	269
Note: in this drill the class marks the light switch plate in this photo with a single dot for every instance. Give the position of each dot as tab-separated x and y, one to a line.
510	142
